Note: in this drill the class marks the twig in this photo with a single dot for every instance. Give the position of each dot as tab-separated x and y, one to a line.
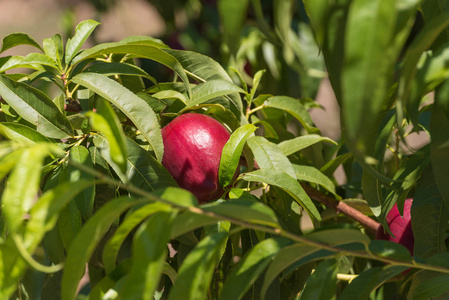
342	207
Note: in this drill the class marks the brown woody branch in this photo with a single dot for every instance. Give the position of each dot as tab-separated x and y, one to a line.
342	207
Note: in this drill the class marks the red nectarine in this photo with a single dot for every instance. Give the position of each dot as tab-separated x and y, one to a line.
192	150
401	227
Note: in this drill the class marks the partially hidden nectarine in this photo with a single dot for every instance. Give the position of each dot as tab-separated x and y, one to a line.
400	226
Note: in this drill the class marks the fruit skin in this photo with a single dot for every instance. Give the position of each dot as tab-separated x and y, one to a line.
400	227
192	150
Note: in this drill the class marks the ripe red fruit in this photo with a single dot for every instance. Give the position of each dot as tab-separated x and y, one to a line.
401	227
192	150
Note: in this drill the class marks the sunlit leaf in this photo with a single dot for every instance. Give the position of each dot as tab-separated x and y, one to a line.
196	271
288	184
136	109
82	33
35	107
149	253
16	39
231	153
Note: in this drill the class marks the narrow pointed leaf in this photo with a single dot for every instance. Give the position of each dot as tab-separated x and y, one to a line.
362	286
244	209
212	89
250	267
107	122
431	288
149	253
322	283
17	39
203	68
85	200
35	107
295	108
196	271
135	108
313	175
143	170
286	183
44	214
23	185
53	47
429	215
21	133
334	237
188	221
269	156
41	59
143	51
283	259
231	153
118	68
299	143
112	247
421	43
82	33
87	240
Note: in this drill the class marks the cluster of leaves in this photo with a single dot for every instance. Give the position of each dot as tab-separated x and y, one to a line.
83	189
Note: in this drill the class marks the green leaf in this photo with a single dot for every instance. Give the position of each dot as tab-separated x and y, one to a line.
41	59
299	143
429	215
269	156
329	168
143	170
313	175
69	223
84	244
53	47
16	39
21	133
286	183
107	122
170	94
389	249
188	221
421	43
211	89
149	253
244	209
136	109
82	33
35	107
231	153
295	108
431	288
143	51
335	237
250	267
23	185
362	286
44	214
203	68
132	220
144	40
439	131
322	283
84	200
118	68
370	55
283	259
197	269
